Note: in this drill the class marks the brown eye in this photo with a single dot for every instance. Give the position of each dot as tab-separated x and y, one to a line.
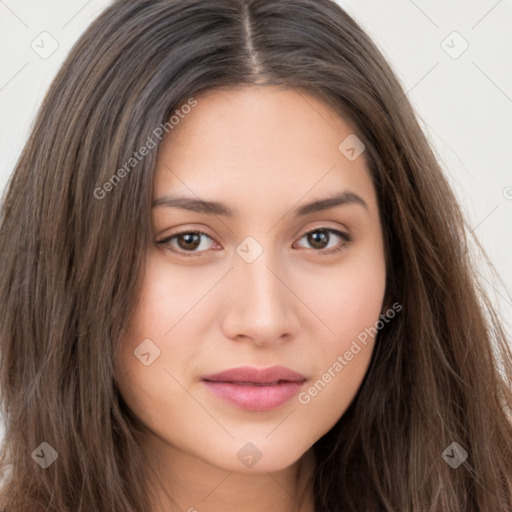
187	242
319	239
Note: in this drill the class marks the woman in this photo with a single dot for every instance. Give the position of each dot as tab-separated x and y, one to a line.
234	276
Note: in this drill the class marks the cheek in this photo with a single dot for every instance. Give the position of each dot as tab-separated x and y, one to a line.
329	394
155	335
341	360
167	297
349	303
349	298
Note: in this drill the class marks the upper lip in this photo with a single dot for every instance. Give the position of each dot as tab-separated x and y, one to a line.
271	375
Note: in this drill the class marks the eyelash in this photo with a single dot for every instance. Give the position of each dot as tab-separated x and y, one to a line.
347	239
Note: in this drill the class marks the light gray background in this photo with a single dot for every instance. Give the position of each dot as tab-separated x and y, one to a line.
464	103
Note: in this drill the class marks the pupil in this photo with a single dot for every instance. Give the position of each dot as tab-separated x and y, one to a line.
193	239
318	238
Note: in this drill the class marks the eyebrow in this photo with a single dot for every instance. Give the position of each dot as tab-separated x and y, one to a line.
217	208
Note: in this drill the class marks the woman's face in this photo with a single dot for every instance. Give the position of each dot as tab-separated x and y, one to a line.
255	290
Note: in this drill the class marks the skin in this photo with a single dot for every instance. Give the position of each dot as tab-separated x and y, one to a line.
263	151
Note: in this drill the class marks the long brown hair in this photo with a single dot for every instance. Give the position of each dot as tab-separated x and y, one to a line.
72	264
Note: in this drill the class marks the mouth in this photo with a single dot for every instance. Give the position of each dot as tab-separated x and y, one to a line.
255	389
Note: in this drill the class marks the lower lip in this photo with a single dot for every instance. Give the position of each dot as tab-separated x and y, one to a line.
255	398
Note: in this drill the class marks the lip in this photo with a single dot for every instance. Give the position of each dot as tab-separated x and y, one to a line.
255	389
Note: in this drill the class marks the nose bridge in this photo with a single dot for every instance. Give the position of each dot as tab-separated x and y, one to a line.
263	287
260	306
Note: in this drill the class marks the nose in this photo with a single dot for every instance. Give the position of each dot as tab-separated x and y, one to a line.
260	305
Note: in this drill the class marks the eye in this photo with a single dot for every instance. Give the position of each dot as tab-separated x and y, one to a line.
193	243
320	240
187	242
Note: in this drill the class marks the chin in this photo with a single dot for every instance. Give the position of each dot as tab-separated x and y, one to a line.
260	455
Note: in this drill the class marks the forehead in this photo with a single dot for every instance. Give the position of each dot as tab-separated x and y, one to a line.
266	144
